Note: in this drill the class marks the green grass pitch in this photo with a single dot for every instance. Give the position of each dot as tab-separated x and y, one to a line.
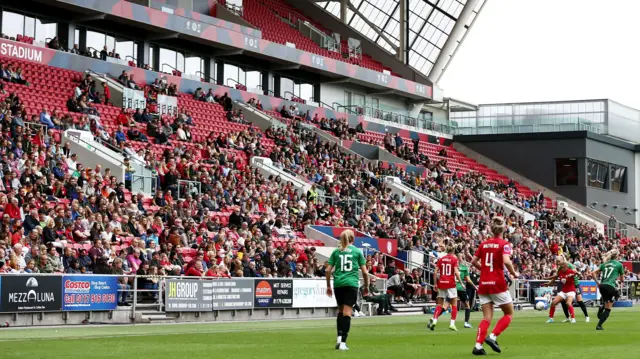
378	337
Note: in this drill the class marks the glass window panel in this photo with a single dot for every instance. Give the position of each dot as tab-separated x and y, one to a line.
582	107
29	26
76	37
254	79
428	31
566	172
589	106
597	174
433	55
286	87
151	62
618	178
242	76
180	61
46	30
442	38
95	40
421	61
111	43
12	24
125	49
574	107
306	92
231	75
167	60
192	66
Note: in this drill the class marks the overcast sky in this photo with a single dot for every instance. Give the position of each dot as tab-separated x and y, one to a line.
545	50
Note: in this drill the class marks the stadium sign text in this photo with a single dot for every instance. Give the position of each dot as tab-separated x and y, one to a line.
20	52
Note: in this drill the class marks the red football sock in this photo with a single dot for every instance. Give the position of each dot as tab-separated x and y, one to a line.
552	311
482	331
571	311
437	312
454	312
502	325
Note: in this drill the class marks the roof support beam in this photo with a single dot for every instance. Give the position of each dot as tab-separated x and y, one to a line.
373	26
451	44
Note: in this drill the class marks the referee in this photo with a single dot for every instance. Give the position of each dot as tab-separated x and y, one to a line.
463	288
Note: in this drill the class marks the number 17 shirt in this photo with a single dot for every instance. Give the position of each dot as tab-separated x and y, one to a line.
490	253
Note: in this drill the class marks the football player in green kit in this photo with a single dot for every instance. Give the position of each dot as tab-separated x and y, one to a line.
611	271
347	260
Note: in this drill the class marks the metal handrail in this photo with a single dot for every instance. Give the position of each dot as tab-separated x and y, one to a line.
204	76
234	81
259	87
132	58
171	67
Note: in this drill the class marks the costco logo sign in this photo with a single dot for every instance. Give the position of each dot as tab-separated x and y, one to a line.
73	286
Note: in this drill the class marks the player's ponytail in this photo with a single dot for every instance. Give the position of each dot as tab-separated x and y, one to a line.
611	255
451	249
347	237
497	226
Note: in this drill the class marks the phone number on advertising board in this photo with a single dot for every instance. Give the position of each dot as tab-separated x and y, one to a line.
89	298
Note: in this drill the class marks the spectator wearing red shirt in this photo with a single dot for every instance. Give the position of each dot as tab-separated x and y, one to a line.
107	93
195	270
13	209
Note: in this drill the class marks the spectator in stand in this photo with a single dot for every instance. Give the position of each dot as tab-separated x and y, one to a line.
45	119
72	105
106	93
124	78
119	135
209	97
104	53
5	75
75	49
85	108
54	43
132	83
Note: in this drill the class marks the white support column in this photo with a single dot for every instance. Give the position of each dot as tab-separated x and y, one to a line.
343	11
450	45
402	10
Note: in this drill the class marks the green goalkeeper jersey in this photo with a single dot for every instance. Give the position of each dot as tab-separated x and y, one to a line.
346	264
575	277
611	271
464	272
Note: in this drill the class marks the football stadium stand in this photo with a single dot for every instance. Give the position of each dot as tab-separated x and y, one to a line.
112	167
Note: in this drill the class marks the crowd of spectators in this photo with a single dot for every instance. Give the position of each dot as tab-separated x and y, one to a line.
59	216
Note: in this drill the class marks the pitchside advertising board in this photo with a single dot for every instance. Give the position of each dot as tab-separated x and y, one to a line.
231	294
24	293
89	292
312	294
189	295
274	293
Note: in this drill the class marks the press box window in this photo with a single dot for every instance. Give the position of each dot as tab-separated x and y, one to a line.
618	178
597	174
566	172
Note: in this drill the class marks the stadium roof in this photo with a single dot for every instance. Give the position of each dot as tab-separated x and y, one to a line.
430	24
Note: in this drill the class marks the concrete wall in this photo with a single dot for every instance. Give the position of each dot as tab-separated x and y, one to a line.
533	156
534	159
618	156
